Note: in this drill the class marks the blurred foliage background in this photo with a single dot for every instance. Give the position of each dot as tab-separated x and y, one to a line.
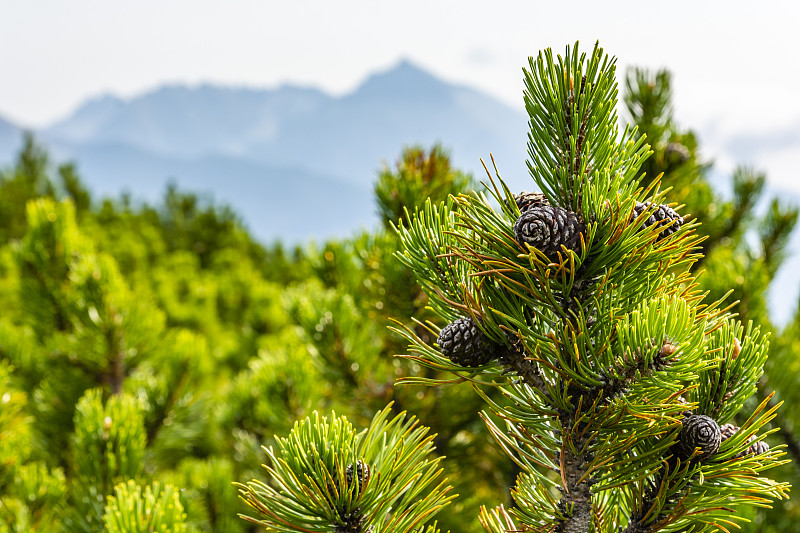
147	352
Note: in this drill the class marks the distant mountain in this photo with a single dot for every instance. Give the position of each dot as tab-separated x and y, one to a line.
351	135
345	137
10	140
268	148
185	122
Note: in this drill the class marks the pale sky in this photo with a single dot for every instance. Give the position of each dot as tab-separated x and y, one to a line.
735	67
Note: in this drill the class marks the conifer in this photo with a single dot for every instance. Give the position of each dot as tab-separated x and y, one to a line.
616	374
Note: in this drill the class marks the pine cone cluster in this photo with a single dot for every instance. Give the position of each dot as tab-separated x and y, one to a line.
662	216
465	344
754	448
699	431
548	228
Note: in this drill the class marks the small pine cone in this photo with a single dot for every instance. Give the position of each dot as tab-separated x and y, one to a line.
757	448
662	216
362	473
547	228
526	200
751	442
727	431
699	431
465	344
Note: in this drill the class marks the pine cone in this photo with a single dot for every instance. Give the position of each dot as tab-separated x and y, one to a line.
676	153
757	448
362	472
727	431
662	216
547	228
526	200
465	344
699	431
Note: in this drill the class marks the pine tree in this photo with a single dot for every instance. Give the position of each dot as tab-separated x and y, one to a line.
417	176
617	382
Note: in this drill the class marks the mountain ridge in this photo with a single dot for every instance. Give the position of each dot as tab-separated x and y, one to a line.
305	127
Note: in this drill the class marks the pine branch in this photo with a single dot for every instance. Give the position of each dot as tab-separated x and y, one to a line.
575	505
584	300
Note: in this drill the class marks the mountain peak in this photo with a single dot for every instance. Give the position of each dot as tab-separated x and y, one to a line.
403	80
406	66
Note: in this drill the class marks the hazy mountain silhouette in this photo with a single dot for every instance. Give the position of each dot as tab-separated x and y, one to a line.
351	135
345	137
291	144
188	122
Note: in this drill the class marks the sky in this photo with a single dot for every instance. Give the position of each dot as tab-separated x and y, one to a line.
736	72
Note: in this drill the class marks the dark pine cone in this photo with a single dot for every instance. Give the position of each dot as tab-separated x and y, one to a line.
699	431
757	448
676	153
547	228
727	431
362	472
661	216
465	344
526	200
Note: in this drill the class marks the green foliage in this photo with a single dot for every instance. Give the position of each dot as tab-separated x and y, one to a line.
279	387
327	475
131	510
210	501
743	251
73	188
217	339
26	181
197	226
108	448
14	425
32	504
417	176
